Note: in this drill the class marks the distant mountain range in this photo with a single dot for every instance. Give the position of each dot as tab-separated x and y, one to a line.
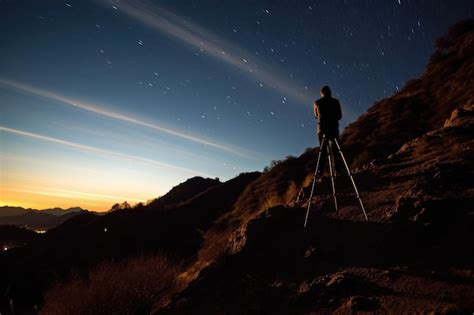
37	219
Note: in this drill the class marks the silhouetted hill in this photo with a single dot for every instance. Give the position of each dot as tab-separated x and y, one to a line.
60	211
88	239
32	219
184	191
7	211
39	219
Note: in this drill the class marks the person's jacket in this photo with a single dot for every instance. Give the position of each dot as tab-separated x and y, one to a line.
328	112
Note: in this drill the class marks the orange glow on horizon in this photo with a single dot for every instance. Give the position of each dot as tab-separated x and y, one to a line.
44	199
101	179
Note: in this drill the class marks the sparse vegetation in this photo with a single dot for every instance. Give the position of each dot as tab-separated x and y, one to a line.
361	159
274	163
120	206
139	205
132	286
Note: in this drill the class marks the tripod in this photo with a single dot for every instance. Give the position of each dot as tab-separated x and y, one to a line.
330	159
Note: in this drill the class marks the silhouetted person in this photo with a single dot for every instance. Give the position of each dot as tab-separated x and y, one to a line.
327	110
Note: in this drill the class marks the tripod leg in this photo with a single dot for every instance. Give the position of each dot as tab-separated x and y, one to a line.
321	148
331	171
352	179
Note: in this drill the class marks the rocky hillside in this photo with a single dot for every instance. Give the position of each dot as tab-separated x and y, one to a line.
414	153
422	105
414	255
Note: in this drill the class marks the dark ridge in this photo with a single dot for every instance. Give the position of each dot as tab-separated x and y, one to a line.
6	211
38	219
184	191
88	239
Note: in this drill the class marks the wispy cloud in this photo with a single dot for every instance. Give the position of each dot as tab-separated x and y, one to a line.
201	39
118	116
99	151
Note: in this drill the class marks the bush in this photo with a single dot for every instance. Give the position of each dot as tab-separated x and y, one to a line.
120	206
132	286
274	163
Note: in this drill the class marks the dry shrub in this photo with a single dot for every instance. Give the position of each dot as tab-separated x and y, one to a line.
361	159
127	287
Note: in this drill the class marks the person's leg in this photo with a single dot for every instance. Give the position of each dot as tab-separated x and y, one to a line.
338	164
322	162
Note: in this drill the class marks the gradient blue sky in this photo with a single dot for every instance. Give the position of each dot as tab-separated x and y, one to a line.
104	101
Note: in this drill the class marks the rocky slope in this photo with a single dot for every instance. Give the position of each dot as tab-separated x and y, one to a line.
415	156
422	105
414	255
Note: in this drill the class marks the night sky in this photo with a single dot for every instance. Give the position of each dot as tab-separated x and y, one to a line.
104	101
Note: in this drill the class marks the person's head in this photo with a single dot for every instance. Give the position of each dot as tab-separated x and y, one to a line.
325	91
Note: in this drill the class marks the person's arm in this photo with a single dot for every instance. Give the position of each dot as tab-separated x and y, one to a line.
316	110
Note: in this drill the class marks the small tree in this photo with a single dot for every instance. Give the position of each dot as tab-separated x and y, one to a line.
139	205
274	163
115	207
120	206
125	206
